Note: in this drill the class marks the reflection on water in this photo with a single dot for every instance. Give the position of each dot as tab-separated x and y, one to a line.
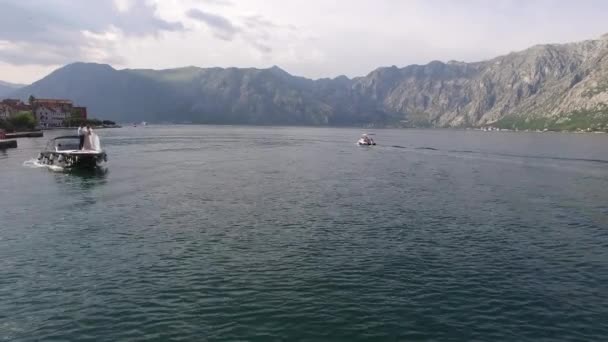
83	178
96	173
83	184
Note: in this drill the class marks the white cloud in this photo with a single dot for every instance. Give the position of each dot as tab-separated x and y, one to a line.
314	38
45	32
222	28
123	5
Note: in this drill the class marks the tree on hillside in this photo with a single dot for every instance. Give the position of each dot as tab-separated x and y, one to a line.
31	100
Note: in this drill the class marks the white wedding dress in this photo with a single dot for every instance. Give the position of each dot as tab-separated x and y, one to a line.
95	145
91	141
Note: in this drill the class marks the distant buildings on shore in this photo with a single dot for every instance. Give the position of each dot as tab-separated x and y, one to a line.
10	107
48	112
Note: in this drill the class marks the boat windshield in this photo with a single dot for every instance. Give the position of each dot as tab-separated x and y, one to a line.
64	143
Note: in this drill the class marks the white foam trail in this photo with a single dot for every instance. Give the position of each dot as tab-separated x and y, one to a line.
55	168
35	164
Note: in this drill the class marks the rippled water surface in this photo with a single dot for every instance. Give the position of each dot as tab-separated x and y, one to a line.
282	234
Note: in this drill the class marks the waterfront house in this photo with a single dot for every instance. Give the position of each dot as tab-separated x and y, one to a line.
52	112
51	116
16	104
6	111
10	107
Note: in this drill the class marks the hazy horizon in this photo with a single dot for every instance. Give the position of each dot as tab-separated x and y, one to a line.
349	40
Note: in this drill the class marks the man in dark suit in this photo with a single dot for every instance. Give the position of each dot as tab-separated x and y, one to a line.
81	136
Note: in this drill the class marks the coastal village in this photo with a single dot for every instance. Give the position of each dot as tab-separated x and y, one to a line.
48	113
19	119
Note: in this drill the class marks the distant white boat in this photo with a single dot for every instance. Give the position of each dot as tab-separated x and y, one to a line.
143	123
365	140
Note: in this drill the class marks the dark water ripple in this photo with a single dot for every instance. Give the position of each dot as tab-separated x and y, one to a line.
231	233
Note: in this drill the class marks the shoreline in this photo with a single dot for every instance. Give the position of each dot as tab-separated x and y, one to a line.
94	127
25	134
477	129
39	133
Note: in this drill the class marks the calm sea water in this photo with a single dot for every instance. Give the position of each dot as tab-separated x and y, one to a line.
283	234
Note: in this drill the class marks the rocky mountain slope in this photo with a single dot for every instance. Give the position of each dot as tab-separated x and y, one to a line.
546	86
546	83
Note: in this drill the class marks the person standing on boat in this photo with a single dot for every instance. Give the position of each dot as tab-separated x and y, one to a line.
91	140
81	130
87	138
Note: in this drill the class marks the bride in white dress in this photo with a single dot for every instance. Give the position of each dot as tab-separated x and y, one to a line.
91	140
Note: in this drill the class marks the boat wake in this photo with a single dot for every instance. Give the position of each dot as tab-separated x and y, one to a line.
35	164
509	155
590	160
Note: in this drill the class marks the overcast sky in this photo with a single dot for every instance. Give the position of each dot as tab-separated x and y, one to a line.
313	38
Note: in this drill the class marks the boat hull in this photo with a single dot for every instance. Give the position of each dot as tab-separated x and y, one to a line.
80	159
361	142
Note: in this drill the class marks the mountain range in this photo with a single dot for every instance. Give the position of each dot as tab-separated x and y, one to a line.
7	88
561	86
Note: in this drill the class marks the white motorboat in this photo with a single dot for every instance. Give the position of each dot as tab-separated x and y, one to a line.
365	140
64	151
